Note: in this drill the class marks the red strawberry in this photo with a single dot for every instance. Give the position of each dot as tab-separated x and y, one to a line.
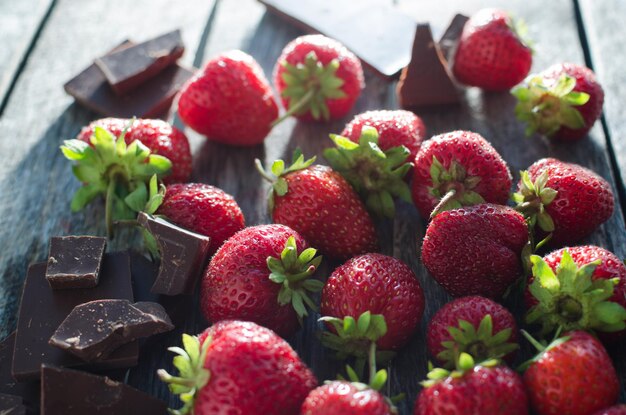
486	388
574	375
239	367
203	209
565	200
344	398
562	102
381	285
613	410
475	325
230	101
475	250
320	205
458	169
318	78
582	287
492	53
395	128
261	275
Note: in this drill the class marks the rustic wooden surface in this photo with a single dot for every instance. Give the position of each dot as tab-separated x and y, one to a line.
36	183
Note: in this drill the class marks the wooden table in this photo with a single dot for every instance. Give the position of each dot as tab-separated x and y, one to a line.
46	42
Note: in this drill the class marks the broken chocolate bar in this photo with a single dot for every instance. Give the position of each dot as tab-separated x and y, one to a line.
184	255
74	261
127	68
27	391
42	310
427	79
450	37
72	392
11	405
95	329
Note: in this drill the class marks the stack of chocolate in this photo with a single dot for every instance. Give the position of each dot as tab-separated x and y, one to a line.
133	79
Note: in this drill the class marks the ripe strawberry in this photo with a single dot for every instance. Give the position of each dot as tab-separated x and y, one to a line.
574	375
395	128
474	325
261	274
159	136
229	101
458	169
562	102
613	410
378	284
319	204
492	53
582	287
317	78
239	367
486	388
345	398
566	200
203	209
475	250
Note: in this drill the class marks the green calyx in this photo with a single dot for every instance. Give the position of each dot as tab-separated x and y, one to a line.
541	347
546	108
532	200
480	343
127	175
452	186
378	176
571	299
192	375
278	171
309	85
520	29
292	271
464	363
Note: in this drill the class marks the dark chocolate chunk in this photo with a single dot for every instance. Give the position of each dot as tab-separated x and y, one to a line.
42	310
184	255
27	391
127	68
74	261
11	405
427	79
95	329
450	38
377	33
72	392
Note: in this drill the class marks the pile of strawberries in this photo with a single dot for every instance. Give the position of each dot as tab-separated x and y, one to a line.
261	282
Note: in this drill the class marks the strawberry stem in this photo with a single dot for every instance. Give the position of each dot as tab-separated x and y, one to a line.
372	361
441	206
297	107
108	210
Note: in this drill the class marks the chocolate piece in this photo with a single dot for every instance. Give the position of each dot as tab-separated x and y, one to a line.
377	33
11	405
427	79
95	329
183	255
42	310
127	68
450	38
74	261
151	99
71	392
27	391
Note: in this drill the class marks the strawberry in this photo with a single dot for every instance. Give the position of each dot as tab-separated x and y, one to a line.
239	367
475	250
565	200
261	274
492	53
475	325
159	136
398	297
582	287
573	375
317	78
345	398
562	102
395	128
320	204
471	389
230	100
458	169
613	410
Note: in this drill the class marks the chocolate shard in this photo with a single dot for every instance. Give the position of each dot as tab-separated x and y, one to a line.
11	405
74	261
127	68
95	329
27	391
72	392
450	38
427	79
42	310
184	255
